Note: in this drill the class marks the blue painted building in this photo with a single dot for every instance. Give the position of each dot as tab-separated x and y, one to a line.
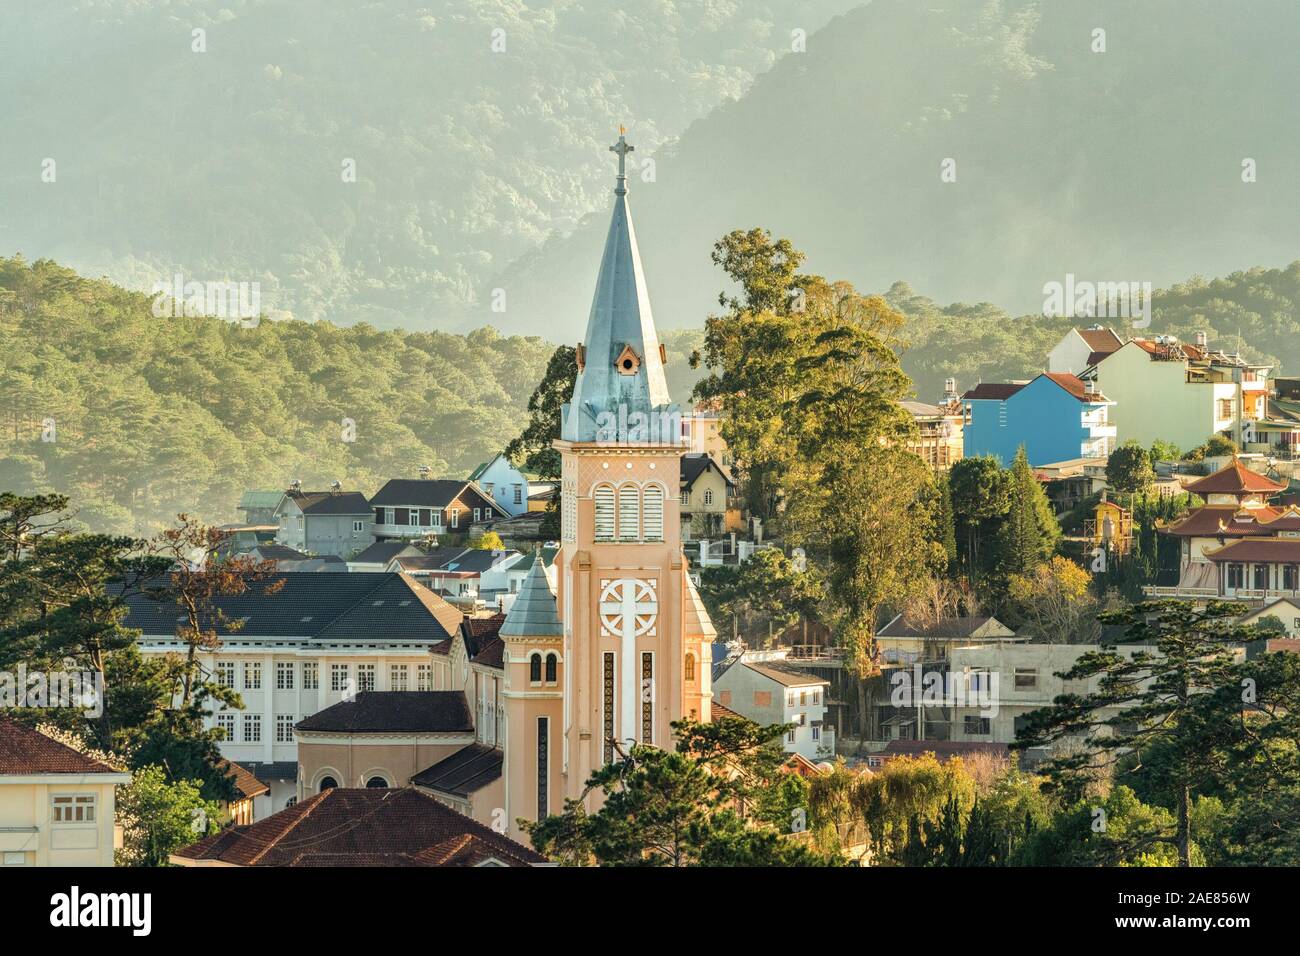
1056	416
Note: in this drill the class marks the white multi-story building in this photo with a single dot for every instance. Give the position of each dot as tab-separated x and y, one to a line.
322	638
771	692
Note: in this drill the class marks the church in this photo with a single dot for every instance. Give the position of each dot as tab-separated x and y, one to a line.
604	649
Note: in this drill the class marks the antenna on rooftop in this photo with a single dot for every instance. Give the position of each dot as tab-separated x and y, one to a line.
295	485
336	487
425	471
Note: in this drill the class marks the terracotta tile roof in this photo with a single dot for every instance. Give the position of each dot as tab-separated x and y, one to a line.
24	751
1075	386
1235	478
1262	550
719	710
467	770
344	827
394	712
1283	645
997	391
246	785
1230	521
1104	341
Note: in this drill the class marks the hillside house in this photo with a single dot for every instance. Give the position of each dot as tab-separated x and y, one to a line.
409	508
1056	417
770	692
504	484
324	522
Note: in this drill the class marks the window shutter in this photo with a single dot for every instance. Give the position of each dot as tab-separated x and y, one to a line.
604	513
654	513
629	513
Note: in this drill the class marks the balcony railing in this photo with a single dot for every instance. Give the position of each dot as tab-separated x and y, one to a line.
814	652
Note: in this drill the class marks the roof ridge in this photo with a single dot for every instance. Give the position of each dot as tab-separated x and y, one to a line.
308	807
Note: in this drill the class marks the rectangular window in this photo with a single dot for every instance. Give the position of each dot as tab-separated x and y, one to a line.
226	673
413	520
284	676
543	732
379	516
1026	678
73	808
311	676
426	517
1290	576
817	731
252	728
762	698
284	728
608	692
253	675
358	526
976	725
397	677
647	698
1236	575
519	494
478	514
226	724
424	677
400	516
365	677
339	677
789	738
1261	577
686	499
455	519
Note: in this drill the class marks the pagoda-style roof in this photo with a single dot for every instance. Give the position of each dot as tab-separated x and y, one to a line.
1235	479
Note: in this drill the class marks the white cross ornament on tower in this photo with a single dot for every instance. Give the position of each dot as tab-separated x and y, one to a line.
622	148
628	609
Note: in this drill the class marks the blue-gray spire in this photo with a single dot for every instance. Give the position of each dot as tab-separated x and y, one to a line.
533	614
621	395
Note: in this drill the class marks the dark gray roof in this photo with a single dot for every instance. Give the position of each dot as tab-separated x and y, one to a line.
783	675
957	627
325	606
330	502
469	769
381	552
278	770
697	463
394	712
533	614
280	552
423	492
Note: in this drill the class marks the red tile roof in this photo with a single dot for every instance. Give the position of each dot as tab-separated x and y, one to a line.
24	751
1233	479
344	827
717	710
1262	550
1104	341
1233	521
1075	386
246	785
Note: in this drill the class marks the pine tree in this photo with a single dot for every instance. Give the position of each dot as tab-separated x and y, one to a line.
1030	531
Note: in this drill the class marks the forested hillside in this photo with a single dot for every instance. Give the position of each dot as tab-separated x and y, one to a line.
158	416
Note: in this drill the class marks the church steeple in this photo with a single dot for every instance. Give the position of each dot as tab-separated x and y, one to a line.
620	367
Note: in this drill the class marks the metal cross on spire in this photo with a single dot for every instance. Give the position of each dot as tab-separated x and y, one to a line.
622	148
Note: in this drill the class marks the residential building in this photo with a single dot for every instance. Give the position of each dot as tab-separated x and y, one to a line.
1179	392
940	429
243	807
1055	416
259	506
1005	682
320	638
324	522
360	828
702	433
770	692
1082	348
1276	433
1286	610
57	805
709	507
903	641
504	484
457	573
1236	510
411	508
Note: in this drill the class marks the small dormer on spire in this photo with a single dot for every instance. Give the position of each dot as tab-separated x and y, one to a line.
621	362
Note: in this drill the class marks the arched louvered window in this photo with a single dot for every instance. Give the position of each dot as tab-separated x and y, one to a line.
708	496
653	518
629	513
551	661
690	667
604	513
535	668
